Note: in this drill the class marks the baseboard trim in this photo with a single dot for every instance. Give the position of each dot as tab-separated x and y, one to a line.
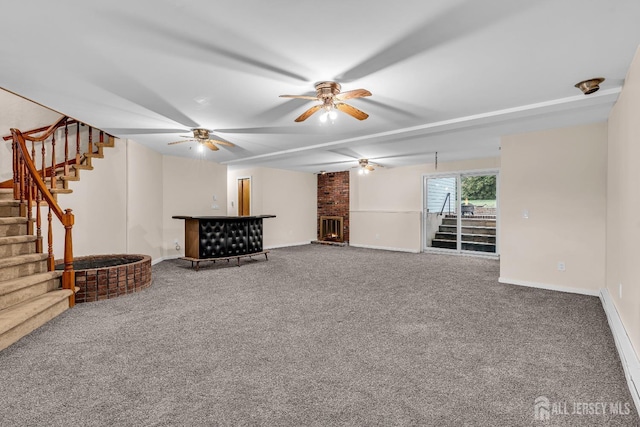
549	287
628	357
164	258
288	245
384	248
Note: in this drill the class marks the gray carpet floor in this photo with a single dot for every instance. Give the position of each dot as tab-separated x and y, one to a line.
320	336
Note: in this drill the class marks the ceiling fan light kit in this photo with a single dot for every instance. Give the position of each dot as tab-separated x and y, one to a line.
589	86
365	166
203	138
328	93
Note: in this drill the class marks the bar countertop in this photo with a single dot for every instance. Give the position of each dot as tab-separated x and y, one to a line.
222	217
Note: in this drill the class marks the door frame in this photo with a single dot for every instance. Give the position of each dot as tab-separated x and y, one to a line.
240	178
459	175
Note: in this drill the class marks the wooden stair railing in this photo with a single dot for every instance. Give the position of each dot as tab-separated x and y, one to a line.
30	177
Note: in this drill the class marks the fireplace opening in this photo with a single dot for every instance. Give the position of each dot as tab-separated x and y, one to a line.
331	229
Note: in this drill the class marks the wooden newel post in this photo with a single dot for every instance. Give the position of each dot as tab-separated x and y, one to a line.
68	275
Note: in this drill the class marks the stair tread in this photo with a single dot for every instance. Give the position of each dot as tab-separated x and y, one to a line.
69	178
465	234
17	314
9	240
12	285
21	259
464	241
487	227
87	167
61	190
95	155
9	203
6	220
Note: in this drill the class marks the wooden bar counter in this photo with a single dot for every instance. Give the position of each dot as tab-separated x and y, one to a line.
211	238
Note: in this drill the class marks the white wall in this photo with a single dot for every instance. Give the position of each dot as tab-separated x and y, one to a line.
19	113
144	201
188	188
386	205
623	204
99	204
290	196
559	178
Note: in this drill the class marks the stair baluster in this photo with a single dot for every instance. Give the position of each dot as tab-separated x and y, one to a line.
21	169
29	205
66	149
38	223
14	146
90	146
78	143
51	262
53	161
44	162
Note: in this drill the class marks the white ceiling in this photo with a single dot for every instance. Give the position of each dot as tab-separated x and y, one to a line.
446	76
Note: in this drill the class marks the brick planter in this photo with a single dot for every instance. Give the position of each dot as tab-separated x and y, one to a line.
98	280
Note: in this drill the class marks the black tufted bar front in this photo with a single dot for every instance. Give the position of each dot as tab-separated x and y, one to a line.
211	237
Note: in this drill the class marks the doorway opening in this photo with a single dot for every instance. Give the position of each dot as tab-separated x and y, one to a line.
460	212
244	196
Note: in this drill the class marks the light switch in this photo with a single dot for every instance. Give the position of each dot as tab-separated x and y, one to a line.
525	214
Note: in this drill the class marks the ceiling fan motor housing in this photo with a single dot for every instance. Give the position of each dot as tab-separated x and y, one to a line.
327	90
201	134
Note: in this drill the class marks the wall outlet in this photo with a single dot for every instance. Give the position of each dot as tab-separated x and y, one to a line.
215	206
561	266
525	214
377	236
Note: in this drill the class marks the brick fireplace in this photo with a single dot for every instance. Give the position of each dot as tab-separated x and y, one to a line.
333	200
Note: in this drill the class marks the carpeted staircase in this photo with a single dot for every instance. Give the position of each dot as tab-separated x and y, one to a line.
30	295
478	234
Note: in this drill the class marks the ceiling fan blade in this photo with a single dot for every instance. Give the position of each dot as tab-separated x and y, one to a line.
210	145
356	93
179	142
352	111
312	98
309	112
369	168
221	142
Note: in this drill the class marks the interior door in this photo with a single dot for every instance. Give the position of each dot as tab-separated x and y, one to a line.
244	196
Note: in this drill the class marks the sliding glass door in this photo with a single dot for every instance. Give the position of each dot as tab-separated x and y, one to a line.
460	212
440	212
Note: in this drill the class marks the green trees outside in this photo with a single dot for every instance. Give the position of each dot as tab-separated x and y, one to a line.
479	187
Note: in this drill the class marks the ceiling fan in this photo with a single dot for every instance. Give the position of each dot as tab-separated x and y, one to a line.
202	136
328	93
365	166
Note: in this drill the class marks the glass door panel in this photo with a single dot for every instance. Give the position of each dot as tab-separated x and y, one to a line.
441	205
478	211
